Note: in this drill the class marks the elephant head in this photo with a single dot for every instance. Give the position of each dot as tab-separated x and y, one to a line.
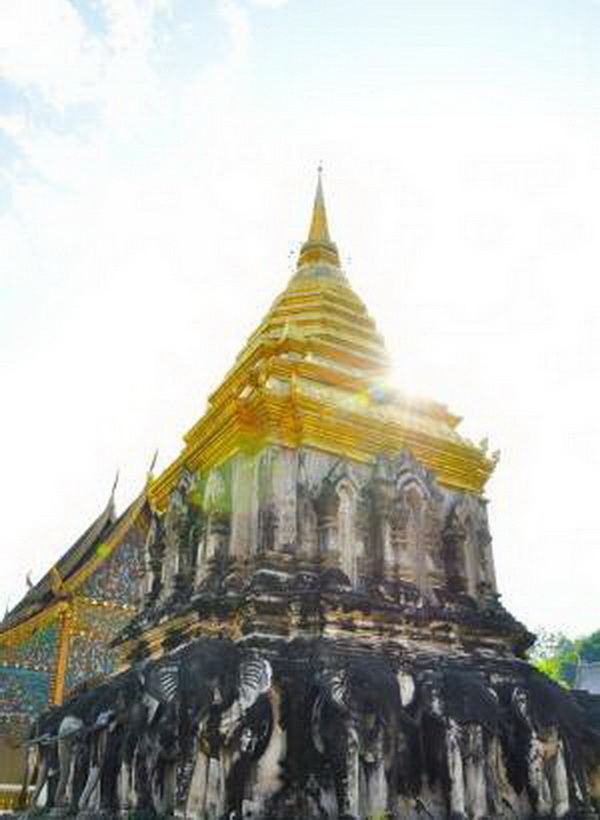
41	763
354	727
207	692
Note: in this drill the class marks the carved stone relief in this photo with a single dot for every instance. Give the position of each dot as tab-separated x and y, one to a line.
218	730
388	520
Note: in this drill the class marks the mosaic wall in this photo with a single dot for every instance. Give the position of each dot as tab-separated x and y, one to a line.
88	659
22	691
89	656
117	580
120	577
26	669
37	652
100	622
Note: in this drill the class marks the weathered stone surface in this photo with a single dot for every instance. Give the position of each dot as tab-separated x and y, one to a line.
327	729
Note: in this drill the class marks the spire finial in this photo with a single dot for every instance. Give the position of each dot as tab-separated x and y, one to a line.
319	247
114	486
319	231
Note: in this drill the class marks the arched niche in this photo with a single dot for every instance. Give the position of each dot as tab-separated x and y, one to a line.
456	552
467	548
416	524
336	507
411	499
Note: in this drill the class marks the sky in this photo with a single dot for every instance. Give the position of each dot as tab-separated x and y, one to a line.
157	168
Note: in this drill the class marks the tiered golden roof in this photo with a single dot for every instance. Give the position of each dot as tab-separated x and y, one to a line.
315	374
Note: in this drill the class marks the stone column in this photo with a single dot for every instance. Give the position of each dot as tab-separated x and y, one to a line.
244	507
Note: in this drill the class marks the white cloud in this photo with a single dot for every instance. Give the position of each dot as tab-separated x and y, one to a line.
45	48
270	4
50	55
103	234
238	28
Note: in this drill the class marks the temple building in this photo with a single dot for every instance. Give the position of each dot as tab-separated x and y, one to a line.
320	634
56	638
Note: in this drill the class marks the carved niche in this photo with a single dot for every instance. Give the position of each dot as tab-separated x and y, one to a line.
467	548
413	549
154	550
177	523
336	508
183	524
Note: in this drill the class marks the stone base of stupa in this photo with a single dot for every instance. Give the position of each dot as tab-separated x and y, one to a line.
291	693
330	727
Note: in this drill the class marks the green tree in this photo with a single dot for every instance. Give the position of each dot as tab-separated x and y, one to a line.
589	647
558	656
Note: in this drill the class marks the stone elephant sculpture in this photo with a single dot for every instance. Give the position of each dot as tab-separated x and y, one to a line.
41	759
202	704
551	734
460	739
87	724
113	741
77	746
56	757
232	741
50	757
590	745
354	726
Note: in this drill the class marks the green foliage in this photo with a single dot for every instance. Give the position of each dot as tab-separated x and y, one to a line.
568	667
589	647
549	666
557	656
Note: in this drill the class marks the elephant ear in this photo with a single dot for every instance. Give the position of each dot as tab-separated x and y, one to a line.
254	680
168	681
335	684
333	689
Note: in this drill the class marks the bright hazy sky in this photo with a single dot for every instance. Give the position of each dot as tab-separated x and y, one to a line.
157	167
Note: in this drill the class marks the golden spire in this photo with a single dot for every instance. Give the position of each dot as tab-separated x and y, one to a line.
314	374
319	232
319	247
